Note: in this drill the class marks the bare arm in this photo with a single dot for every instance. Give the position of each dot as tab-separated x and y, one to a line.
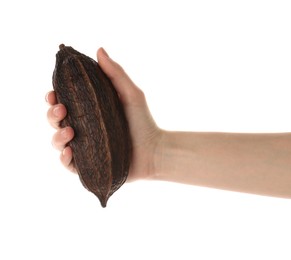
253	163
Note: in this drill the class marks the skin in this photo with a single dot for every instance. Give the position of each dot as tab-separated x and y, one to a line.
252	163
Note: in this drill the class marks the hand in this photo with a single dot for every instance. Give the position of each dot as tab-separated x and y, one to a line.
144	132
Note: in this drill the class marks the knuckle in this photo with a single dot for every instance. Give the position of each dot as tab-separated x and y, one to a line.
49	114
58	141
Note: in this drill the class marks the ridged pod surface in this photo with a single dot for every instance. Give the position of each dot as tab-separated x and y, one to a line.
101	144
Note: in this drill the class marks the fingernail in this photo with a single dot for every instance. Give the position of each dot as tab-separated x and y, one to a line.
105	53
64	151
64	133
46	97
56	111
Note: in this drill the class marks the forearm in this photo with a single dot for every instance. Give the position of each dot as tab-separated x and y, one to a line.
253	163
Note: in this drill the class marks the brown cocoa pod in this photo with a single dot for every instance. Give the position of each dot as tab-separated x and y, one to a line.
101	144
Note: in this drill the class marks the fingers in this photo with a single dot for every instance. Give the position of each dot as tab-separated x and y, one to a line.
66	158
55	114
60	140
51	98
128	92
62	137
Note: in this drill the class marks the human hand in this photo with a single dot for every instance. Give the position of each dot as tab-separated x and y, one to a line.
144	132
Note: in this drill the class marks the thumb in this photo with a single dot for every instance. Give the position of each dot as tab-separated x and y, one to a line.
128	92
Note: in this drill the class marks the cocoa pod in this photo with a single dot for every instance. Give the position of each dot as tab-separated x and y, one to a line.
102	144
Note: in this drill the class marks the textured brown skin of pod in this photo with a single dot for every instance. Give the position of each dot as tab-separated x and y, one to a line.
102	144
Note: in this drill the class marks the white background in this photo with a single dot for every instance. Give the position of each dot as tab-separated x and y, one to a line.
204	66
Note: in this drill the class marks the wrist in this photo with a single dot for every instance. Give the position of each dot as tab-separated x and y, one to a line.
177	157
174	153
159	154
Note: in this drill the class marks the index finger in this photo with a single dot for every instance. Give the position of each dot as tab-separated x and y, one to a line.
51	98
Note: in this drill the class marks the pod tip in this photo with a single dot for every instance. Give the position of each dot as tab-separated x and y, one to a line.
62	46
103	203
